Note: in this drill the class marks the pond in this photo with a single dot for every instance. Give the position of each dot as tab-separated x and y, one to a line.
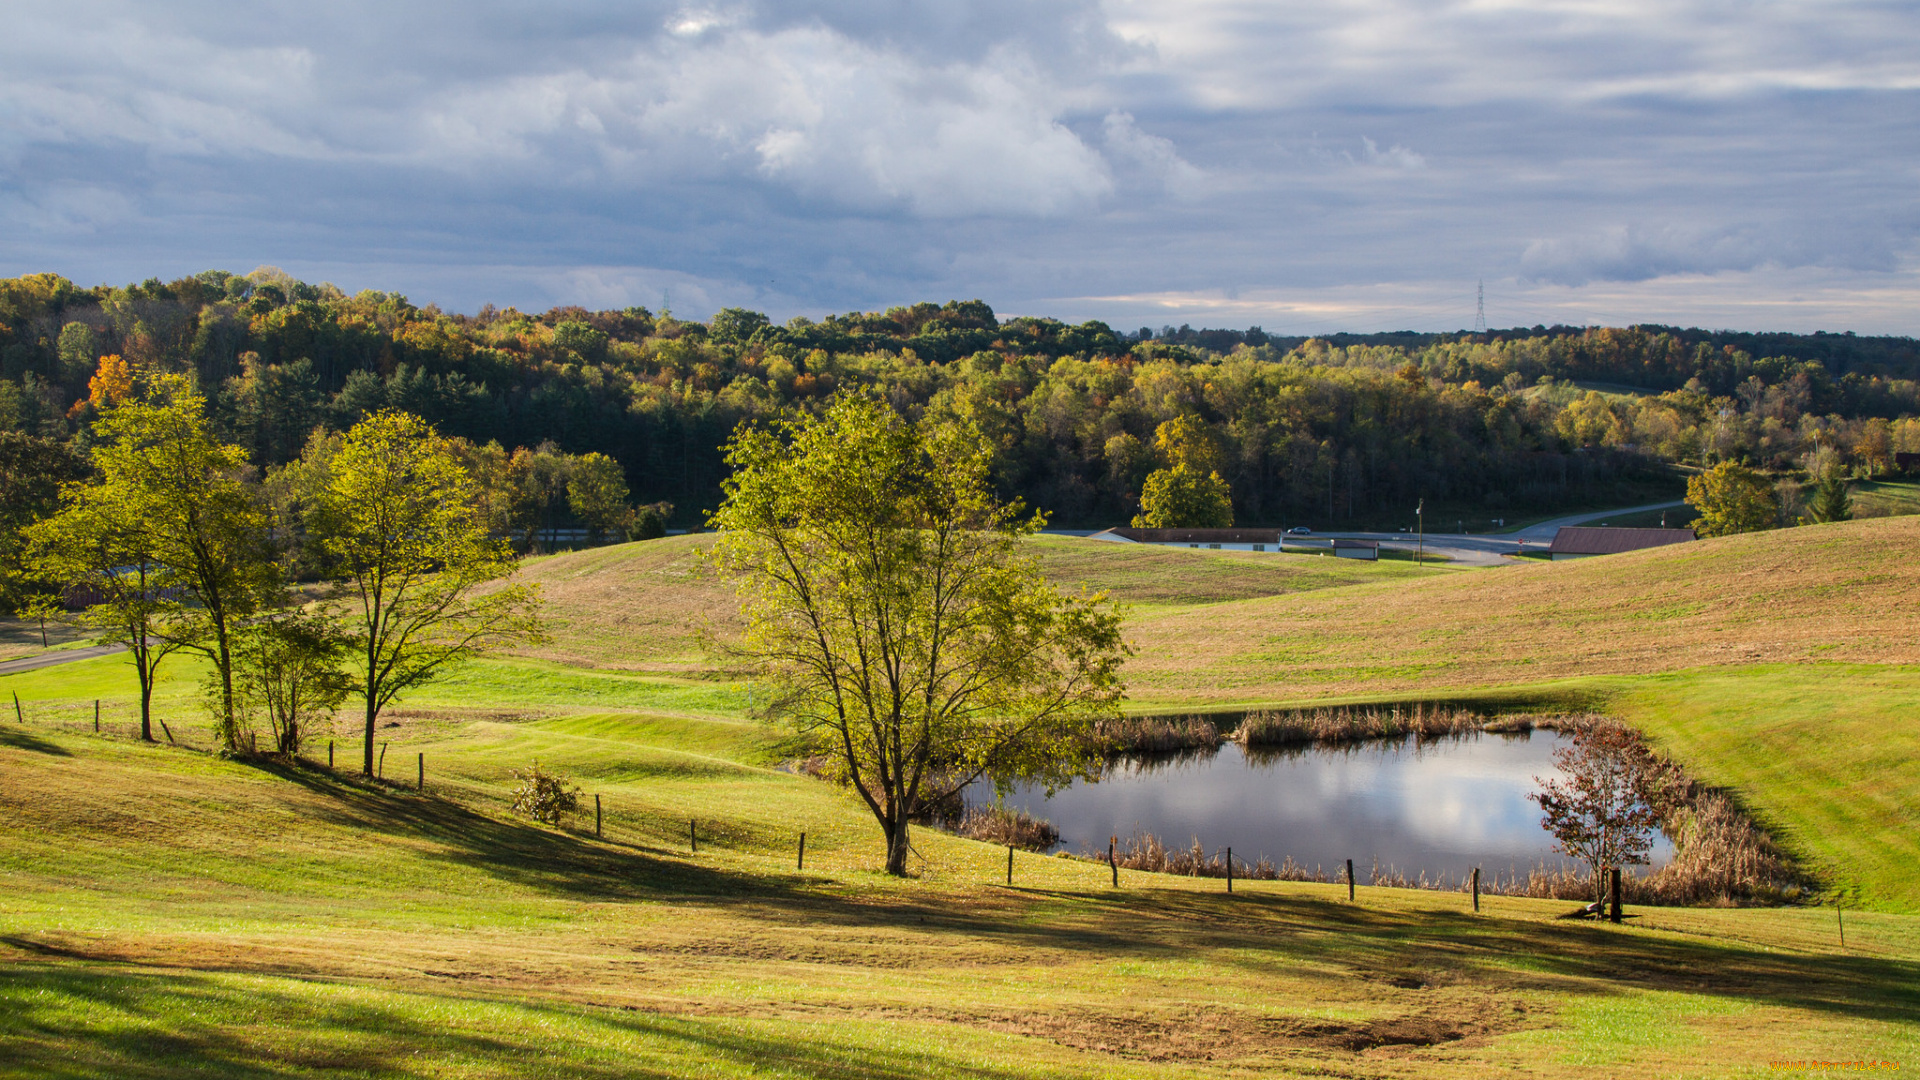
1437	807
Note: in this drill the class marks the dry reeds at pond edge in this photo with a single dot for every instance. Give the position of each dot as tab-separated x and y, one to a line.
1144	851
1008	828
1346	724
1155	735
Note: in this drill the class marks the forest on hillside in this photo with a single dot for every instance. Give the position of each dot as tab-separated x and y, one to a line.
1321	430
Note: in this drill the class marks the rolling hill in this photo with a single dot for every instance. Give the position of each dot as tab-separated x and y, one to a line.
1229	628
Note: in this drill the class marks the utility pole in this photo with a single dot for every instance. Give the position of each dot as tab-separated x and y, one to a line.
1420	554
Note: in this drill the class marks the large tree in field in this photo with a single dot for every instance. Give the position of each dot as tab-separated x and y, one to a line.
1731	499
896	622
394	514
1183	498
187	511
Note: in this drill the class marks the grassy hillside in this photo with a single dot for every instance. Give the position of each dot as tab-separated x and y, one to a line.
1820	593
169	913
1827	756
1818	748
1231	627
1885	498
643	606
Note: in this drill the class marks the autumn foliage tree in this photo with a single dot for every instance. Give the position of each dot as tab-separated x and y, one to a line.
1600	810
1188	493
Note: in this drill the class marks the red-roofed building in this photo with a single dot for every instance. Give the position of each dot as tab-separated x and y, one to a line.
1581	541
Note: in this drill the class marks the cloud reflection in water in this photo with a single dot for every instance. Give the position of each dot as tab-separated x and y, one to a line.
1438	808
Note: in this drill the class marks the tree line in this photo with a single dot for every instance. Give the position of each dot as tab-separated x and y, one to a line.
1324	429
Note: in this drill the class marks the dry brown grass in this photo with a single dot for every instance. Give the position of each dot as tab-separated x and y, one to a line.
1225	627
1002	827
644	606
1156	735
631	607
1145	851
1290	727
1827	592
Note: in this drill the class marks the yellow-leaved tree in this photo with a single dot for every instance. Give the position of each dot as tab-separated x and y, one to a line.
893	618
395	517
1732	499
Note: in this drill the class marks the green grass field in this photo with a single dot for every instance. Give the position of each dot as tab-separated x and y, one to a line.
169	913
1885	498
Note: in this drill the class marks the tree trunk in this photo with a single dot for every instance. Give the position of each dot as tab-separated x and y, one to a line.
229	730
366	767
146	693
373	712
897	847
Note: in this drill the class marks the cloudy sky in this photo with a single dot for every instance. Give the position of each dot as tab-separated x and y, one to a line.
1304	166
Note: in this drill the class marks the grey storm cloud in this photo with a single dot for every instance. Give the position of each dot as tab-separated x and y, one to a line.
1341	164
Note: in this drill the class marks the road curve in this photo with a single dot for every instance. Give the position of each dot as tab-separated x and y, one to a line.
64	656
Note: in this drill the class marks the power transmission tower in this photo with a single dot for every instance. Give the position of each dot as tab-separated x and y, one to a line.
1480	310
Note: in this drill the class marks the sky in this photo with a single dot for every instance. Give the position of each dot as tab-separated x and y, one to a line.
1308	167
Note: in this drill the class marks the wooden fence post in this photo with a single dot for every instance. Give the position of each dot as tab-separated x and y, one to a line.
380	770
168	730
1229	869
420	784
693	837
801	863
1112	865
1841	922
96	716
596	816
1476	888
329	754
1009	864
17	713
1349	881
1613	914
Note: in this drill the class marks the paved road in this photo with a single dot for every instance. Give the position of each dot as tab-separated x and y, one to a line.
1545	530
1490	549
64	656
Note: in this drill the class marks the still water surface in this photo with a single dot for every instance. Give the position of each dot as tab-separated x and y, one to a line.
1439	807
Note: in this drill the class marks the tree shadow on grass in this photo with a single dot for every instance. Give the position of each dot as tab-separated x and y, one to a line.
1251	929
23	740
1459	947
544	860
71	1021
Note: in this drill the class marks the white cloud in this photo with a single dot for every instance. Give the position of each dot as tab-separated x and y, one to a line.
1395	157
845	153
1155	157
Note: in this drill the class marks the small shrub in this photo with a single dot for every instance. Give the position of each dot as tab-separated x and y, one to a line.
649	522
544	796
